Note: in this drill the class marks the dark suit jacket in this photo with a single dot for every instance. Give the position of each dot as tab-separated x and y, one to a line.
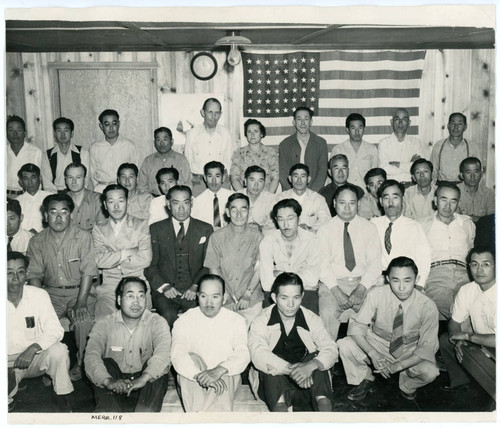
162	267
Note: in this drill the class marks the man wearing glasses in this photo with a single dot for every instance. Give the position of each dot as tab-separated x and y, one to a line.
399	150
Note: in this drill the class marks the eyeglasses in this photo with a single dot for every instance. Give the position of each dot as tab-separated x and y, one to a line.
484	265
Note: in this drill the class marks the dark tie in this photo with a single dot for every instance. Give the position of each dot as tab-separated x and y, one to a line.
216	211
396	346
350	260
9	248
387	239
180	234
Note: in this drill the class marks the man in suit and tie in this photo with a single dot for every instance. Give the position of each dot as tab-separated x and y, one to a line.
122	246
179	246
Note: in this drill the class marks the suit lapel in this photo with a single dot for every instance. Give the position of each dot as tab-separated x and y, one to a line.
168	235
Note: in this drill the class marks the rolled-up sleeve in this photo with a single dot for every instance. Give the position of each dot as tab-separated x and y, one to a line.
159	363
94	352
88	265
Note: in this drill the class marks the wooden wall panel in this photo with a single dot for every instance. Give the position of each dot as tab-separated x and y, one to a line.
14	85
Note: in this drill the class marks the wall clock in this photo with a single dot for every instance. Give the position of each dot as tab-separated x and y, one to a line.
204	66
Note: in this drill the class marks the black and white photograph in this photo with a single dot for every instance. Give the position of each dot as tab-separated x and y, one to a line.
249	213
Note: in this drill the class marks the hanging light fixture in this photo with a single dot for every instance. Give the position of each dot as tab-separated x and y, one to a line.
234	40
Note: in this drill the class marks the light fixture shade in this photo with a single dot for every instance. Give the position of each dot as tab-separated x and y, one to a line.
234	56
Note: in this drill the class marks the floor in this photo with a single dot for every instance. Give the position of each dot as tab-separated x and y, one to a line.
38	398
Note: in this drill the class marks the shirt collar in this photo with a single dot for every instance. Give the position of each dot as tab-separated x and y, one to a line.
300	320
72	148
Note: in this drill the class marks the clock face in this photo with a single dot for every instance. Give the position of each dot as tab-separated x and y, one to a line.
203	66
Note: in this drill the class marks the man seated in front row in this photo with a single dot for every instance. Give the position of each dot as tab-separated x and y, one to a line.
350	251
179	246
166	178
395	331
209	350
315	211
128	354
17	237
33	335
475	302
291	249
292	351
138	202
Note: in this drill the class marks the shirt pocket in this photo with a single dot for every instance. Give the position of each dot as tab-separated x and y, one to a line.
74	268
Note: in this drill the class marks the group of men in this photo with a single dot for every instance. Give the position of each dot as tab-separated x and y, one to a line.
208	280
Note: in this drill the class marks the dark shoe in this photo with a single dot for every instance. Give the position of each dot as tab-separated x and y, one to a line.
409	396
324	405
359	392
47	381
440	363
448	388
280	407
63	403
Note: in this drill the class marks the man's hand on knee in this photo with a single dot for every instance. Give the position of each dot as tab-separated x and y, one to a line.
119	386
207	377
24	360
341	298
79	313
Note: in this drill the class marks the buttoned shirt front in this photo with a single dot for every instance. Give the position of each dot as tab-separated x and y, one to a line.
304	261
202	147
418	206
45	330
236	254
366	247
360	162
29	153
266	158
153	163
260	209
138	204
64	264
479	305
220	340
450	241
446	158
420	321
390	149
21	240
31	207
407	239
149	343
480	203
89	212
369	207
203	205
315	211
105	158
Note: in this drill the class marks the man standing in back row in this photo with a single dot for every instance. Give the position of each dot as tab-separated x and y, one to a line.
304	147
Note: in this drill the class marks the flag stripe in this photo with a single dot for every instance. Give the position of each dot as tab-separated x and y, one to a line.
385	112
369	84
358	103
383	66
339	130
336	74
373	56
366	93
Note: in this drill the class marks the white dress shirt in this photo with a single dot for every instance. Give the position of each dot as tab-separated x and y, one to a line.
203	206
21	240
417	206
407	239
260	210
157	211
31	207
360	162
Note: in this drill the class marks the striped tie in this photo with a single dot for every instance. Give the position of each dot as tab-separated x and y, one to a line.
387	238
216	211
396	346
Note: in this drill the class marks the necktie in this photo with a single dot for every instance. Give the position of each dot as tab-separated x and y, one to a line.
216	212
350	260
180	234
396	346
9	248
387	239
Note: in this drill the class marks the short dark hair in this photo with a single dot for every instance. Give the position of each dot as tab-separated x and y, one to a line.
214	165
400	262
108	112
354	116
163	129
127	165
14	206
179	188
58	197
448	185
421	161
211	100
299	166
303	108
28	167
254	168
236	196
17	119
373	173
338	156
344	187
481	249
124	281
65	120
111	187
163	171
286	203
255	122
286	278
212	277
469	160
389	183
16	255
76	165
457	113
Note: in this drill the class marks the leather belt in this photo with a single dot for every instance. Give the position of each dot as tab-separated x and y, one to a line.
66	287
15	192
448	262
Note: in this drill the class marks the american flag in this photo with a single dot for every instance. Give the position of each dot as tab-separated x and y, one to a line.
333	84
